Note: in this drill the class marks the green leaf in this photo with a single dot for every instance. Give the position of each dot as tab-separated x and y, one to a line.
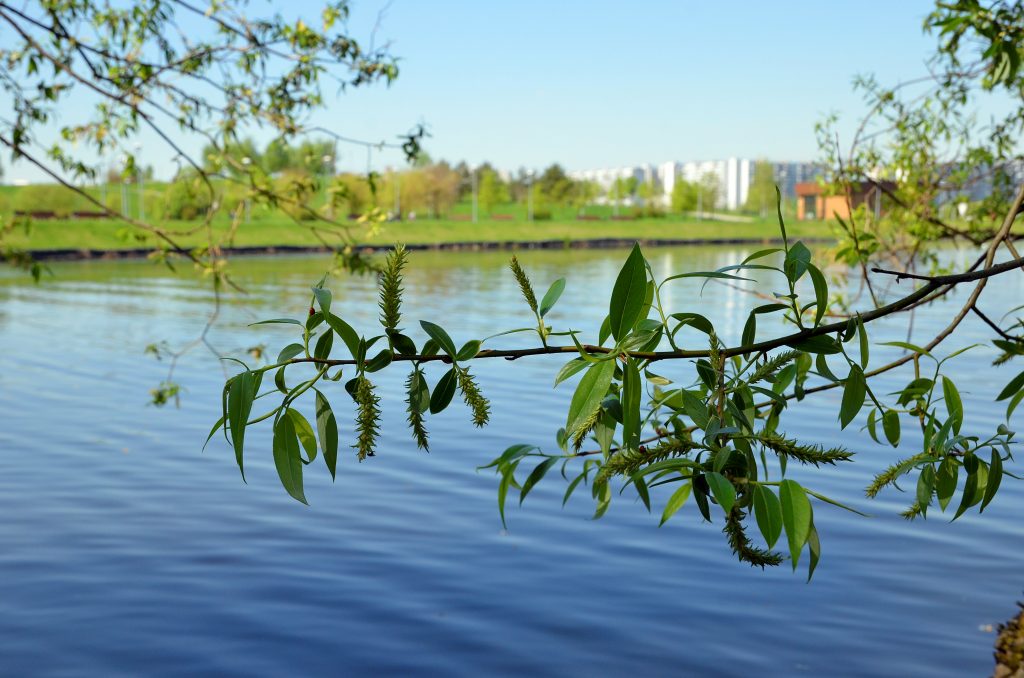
820	293
419	392
287	458
628	294
443	392
798	258
323	345
945	481
925	485
676	501
796	516
891	426
468	350
630	396
589	394
694	319
304	432
723	490
572	486
768	512
814	548
551	297
323	298
345	331
570	368
535	477
437	333
862	335
289	352
821	344
970	488
278	321
995	476
853	396
327	428
749	330
907	346
241	393
506	479
1012	387
954	405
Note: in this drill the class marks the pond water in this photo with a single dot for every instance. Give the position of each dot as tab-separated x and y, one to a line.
125	550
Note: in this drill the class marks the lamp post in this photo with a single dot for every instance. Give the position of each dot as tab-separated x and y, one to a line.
140	185
246	161
529	195
124	186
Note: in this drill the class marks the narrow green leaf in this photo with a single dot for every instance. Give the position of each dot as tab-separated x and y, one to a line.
723	490
468	350
676	501
628	294
796	516
945	481
535	477
798	258
572	486
1012	387
589	393
820	293
995	476
551	297
437	333
443	391
287	458
925	485
891	426
570	368
345	331
304	432
768	512
853	396
862	336
327	428
749	330
240	397
278	321
289	352
323	345
323	298
814	548
630	396
970	488
954	405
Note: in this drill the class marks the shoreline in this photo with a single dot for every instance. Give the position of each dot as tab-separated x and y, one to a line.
71	254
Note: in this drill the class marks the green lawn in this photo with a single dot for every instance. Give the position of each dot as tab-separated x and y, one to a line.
279	231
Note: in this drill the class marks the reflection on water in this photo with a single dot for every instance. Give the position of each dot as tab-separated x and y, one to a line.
123	549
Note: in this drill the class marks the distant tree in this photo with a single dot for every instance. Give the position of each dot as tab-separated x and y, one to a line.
276	156
422	160
761	195
584	193
554	186
708	191
684	196
491	190
648	191
229	158
442	188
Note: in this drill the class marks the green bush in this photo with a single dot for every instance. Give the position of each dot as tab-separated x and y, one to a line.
187	198
47	198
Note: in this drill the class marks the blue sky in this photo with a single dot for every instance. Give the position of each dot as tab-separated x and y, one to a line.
593	84
599	83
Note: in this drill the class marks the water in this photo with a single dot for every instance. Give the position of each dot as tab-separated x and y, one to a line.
124	550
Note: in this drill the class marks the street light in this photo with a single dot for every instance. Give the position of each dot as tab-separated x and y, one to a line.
140	184
246	161
529	195
124	186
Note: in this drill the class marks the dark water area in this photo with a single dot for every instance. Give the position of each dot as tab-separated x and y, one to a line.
125	550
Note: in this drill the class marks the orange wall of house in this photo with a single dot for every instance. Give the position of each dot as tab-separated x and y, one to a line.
824	207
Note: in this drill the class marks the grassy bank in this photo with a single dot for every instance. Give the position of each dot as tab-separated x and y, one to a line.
272	231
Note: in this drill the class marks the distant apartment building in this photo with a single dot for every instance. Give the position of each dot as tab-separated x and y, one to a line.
733	177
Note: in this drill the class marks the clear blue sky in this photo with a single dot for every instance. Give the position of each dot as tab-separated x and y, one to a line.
599	83
593	84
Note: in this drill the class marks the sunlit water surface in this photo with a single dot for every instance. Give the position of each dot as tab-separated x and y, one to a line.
125	550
